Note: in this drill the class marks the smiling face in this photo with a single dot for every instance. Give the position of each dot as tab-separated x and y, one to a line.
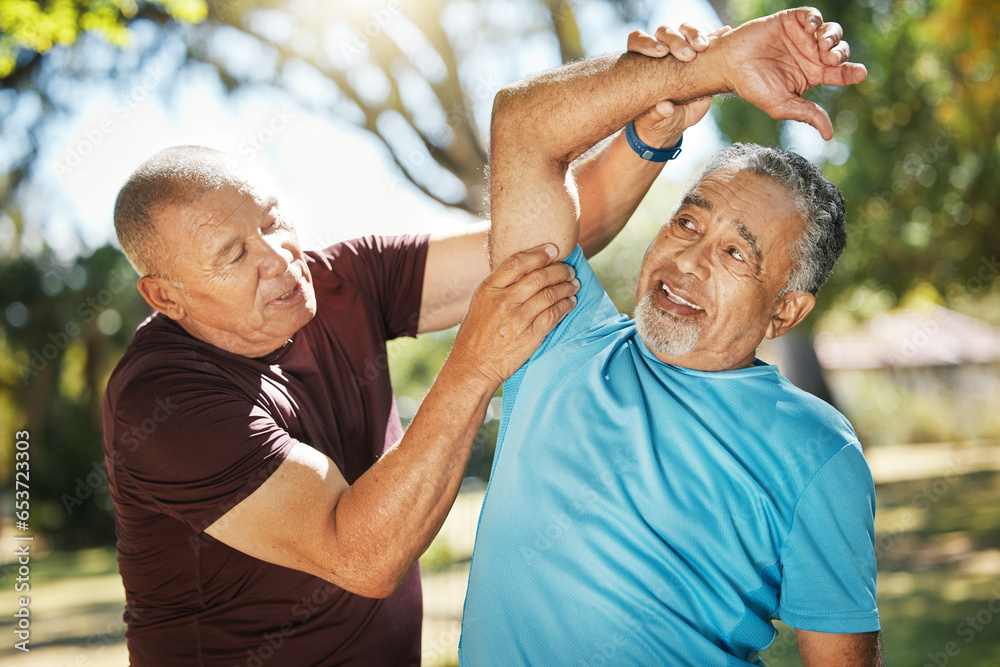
238	277
710	282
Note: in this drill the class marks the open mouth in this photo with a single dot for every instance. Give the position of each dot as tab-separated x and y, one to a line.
290	294
679	300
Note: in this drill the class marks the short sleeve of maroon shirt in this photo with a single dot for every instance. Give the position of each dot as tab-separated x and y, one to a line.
191	430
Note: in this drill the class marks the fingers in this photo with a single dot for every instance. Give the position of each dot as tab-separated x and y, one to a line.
694	36
683	42
551	315
697	109
647	45
558	298
832	49
540	280
677	43
521	263
847	74
808	17
829	35
662	111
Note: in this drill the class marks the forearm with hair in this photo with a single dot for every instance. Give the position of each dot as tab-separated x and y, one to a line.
392	512
542	123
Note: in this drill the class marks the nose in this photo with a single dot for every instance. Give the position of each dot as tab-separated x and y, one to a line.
277	258
693	259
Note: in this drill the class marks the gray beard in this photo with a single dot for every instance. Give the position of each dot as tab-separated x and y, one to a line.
664	332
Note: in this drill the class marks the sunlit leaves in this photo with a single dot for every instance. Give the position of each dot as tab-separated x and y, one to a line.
29	27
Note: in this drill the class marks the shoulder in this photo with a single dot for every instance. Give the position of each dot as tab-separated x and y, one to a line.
828	429
350	255
163	357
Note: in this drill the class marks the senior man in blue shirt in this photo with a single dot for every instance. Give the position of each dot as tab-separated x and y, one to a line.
659	495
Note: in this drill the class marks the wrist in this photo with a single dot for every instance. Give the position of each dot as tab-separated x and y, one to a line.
647	152
660	142
717	70
708	74
468	376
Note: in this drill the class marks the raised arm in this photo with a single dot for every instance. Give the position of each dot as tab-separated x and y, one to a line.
541	124
611	182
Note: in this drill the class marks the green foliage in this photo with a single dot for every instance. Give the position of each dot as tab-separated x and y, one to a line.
916	151
439	556
29	26
68	327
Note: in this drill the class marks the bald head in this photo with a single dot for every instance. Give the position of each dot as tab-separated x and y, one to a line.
173	177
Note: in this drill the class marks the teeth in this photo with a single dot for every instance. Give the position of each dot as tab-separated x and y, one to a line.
678	300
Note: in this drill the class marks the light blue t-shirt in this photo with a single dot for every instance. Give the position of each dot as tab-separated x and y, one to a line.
646	514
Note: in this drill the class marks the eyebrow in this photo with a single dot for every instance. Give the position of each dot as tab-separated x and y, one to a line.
226	248
268	204
751	240
695	199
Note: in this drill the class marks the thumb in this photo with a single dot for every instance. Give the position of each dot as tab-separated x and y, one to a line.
661	111
800	109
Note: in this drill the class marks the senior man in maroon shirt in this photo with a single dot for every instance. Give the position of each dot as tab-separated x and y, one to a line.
269	506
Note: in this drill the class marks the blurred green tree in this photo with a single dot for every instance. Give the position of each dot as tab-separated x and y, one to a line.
916	151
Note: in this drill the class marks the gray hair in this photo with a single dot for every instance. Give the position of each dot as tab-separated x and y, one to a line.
817	200
173	177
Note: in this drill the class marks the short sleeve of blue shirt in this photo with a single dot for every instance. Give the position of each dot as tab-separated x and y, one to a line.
594	315
828	559
594	311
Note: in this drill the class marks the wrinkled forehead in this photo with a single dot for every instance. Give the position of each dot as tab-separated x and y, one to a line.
738	193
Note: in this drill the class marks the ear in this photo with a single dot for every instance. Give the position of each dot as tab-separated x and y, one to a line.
789	310
162	295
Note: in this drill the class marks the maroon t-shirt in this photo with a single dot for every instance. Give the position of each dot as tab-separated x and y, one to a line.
190	430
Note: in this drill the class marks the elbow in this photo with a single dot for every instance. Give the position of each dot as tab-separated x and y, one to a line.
377	587
382	589
377	580
505	108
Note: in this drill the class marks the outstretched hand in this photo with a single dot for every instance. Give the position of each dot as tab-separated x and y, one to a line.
662	125
771	61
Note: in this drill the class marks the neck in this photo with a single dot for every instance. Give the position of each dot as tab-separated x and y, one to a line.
230	342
